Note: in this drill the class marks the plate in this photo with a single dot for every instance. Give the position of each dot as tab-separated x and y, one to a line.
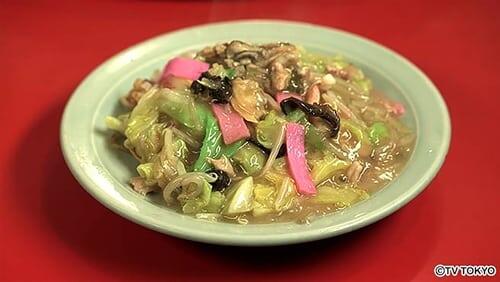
104	172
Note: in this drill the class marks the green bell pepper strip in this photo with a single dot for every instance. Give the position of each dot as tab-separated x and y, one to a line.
230	73
212	147
231	149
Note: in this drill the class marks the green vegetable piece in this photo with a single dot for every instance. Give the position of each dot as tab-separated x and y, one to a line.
240	197
358	132
116	124
318	63
314	138
326	168
145	170
212	147
377	132
142	130
182	108
212	142
296	116
251	158
216	202
365	85
342	197
278	172
230	73
355	130
231	149
197	204
181	149
267	129
264	197
285	194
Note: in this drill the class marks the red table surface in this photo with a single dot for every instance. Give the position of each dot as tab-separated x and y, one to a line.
51	229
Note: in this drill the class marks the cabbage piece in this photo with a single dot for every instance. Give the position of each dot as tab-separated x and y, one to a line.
197	204
342	197
240	197
250	158
117	123
143	132
278	171
146	171
364	84
318	63
181	150
144	138
267	129
165	165
359	133
355	129
285	195
216	202
326	167
264	198
181	107
168	163
268	199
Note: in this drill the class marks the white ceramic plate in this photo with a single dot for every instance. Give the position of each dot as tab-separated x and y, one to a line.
104	172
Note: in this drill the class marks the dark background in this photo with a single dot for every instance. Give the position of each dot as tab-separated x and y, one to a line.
51	229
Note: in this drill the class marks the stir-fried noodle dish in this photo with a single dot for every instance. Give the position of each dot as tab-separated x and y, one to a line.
252	133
